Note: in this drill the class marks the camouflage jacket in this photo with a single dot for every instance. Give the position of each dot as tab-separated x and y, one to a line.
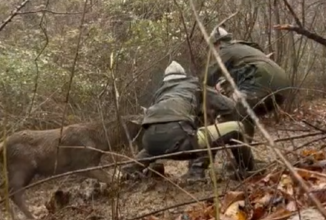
181	100
266	77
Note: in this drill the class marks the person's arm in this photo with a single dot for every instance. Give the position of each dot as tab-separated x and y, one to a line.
218	103
214	72
213	75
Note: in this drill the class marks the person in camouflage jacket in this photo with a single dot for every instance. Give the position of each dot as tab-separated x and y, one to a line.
262	81
171	125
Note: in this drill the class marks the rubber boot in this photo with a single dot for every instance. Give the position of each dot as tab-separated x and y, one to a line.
155	170
132	171
249	128
135	170
196	169
243	157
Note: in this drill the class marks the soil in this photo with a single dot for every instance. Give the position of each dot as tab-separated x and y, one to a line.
136	198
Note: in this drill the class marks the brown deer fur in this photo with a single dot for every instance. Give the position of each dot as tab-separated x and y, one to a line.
33	152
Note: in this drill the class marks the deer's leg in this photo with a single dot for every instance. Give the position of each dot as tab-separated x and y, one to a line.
2	196
19	177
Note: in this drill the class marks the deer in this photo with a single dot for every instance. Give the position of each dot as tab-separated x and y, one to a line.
35	152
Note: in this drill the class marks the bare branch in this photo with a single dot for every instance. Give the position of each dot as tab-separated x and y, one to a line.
297	20
48	11
14	13
302	31
117	103
228	18
188	38
41	24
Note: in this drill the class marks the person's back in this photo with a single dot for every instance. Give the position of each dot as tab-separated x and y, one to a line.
262	82
170	123
271	75
176	100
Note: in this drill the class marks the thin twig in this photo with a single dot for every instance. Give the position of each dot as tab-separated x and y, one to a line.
73	69
38	56
228	18
244	102
188	37
209	150
117	104
313	36
5	184
313	126
14	13
49	11
297	20
173	207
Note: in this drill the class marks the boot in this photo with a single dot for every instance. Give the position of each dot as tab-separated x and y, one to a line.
243	157
135	170
132	171
196	169
157	167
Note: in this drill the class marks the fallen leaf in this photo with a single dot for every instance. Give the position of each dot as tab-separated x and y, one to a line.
210	211
257	193
306	174
224	217
280	214
257	213
308	213
199	211
291	206
230	198
286	185
272	177
319	185
39	211
234	211
311	175
263	201
320	195
152	217
321	163
58	200
317	155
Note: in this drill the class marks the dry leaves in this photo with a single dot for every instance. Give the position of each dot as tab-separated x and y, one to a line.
276	196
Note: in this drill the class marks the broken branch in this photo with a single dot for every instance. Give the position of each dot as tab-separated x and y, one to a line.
303	32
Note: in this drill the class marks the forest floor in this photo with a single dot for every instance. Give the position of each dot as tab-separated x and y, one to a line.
134	199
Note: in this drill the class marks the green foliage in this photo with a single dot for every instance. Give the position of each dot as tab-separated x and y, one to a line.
144	35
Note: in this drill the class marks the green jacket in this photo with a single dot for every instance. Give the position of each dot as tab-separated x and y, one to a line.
181	100
266	78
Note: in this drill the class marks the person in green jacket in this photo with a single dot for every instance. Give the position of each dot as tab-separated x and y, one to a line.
264	84
171	125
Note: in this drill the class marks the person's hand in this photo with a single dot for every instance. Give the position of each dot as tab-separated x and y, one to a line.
236	98
219	88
